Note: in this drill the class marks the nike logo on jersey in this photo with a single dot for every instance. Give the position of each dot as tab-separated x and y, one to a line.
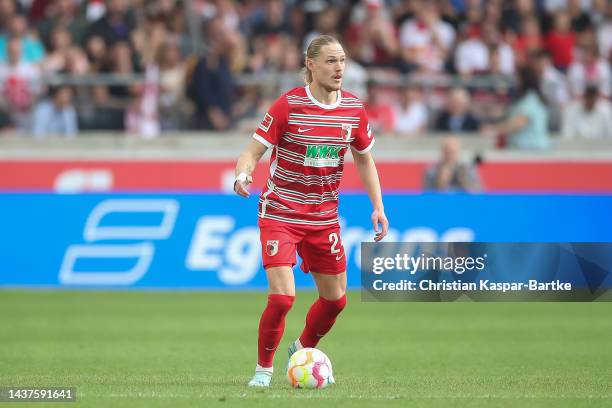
303	130
339	257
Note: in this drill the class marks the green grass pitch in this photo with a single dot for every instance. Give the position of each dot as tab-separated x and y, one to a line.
198	349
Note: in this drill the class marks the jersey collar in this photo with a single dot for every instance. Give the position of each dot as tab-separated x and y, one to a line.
322	105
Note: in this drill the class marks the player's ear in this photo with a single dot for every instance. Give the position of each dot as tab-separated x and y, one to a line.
309	63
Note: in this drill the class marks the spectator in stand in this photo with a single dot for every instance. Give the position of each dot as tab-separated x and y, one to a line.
272	23
410	114
455	14
142	115
355	78
380	114
63	55
62	13
32	50
491	102
598	11
492	13
8	10
504	63
120	62
55	116
553	83
471	54
581	21
425	40
172	85
371	38
451	174
19	84
402	11
589	118
473	18
96	52
483	51
227	11
561	41
270	33
291	63
116	25
528	41
553	86
527	124
211	84
105	109
589	68
326	22
515	12
604	34
457	117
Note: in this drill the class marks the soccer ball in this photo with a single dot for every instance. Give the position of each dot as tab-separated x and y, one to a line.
309	368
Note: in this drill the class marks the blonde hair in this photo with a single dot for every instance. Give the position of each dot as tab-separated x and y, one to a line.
313	50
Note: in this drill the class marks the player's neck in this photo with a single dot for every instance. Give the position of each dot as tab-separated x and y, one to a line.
322	95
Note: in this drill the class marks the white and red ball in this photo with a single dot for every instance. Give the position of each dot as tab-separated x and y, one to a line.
309	368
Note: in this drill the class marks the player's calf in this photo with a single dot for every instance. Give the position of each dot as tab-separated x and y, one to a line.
320	319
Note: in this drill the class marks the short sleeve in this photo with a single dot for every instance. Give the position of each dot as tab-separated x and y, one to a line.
364	140
526	106
272	126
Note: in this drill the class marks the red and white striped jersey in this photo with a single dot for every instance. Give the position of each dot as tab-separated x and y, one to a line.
309	141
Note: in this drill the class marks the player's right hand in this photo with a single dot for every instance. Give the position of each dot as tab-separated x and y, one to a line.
241	184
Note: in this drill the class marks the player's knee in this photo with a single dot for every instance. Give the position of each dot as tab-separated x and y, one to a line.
335	294
335	305
281	303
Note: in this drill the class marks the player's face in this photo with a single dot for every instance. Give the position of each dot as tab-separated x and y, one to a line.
328	67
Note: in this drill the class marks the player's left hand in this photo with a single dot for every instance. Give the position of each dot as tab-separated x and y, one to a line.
379	218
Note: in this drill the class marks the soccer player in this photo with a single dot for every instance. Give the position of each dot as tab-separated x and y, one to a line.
309	130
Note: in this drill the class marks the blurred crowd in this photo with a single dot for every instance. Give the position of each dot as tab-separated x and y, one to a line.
493	67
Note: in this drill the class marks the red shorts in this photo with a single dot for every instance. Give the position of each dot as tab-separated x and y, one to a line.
319	247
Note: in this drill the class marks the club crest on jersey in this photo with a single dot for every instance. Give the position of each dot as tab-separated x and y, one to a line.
346	131
272	247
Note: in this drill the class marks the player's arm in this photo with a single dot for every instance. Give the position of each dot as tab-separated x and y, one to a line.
245	166
511	125
369	177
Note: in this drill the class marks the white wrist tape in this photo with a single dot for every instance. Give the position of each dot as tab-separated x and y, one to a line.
242	177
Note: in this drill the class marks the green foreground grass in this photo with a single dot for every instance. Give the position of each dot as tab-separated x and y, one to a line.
157	349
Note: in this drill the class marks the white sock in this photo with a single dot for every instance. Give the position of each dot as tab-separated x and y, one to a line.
268	370
298	345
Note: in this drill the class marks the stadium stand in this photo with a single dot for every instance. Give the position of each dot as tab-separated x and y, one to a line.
167	65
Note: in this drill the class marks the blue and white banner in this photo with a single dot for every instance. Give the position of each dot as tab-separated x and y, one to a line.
486	271
212	240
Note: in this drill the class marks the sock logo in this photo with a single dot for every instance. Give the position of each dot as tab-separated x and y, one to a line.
272	247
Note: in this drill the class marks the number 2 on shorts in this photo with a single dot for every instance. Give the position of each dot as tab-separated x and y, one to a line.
333	238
